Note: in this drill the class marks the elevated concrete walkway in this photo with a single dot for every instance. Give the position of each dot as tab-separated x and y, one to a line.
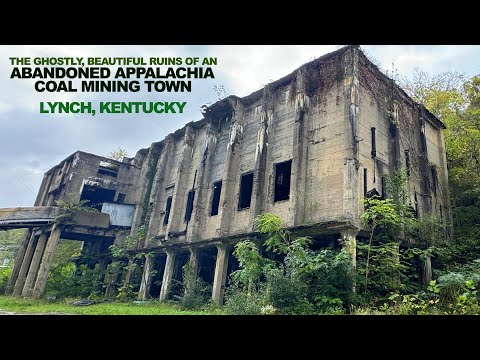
26	217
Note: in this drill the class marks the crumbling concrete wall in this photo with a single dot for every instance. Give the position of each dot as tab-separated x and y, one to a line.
401	126
300	118
66	180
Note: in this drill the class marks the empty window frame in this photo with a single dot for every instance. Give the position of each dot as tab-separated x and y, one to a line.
407	161
384	188
365	179
246	187
121	198
107	168
167	210
374	144
433	170
189	208
217	191
283	172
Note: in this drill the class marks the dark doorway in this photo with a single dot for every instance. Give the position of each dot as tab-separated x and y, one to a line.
175	290
167	211
217	191
96	196
189	208
158	268
246	186
206	264
283	172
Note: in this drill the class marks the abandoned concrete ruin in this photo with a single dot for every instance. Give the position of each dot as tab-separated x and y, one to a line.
307	147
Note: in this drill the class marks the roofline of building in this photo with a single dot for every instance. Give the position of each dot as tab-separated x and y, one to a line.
256	95
69	157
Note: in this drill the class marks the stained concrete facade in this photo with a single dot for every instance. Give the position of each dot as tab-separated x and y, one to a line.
307	147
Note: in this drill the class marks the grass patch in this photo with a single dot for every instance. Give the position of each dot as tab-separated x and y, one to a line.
31	306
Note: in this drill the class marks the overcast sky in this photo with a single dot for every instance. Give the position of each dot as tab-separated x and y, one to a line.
31	143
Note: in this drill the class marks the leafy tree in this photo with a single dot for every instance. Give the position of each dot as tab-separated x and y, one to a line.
455	100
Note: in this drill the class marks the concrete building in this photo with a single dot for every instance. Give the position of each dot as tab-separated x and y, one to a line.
307	147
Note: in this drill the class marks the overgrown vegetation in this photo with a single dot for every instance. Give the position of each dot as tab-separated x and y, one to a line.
9	243
300	281
388	279
70	208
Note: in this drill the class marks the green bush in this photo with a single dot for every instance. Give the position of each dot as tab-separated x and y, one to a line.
288	295
198	294
5	274
239	302
63	282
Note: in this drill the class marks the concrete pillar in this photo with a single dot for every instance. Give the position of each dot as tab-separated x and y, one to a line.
202	207
46	262
260	186
18	262
32	273
299	150
182	185
157	195
221	266
167	274
427	271
193	263
231	175
194	260
27	259
349	243
146	282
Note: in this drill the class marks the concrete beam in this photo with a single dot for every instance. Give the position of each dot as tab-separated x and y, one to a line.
22	217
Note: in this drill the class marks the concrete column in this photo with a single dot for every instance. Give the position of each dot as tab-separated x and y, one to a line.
221	266
182	185
260	186
167	274
231	175
194	260
427	271
349	243
146	282
299	151
157	195
32	273
46	262
201	203
27	259
189	280
18	262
